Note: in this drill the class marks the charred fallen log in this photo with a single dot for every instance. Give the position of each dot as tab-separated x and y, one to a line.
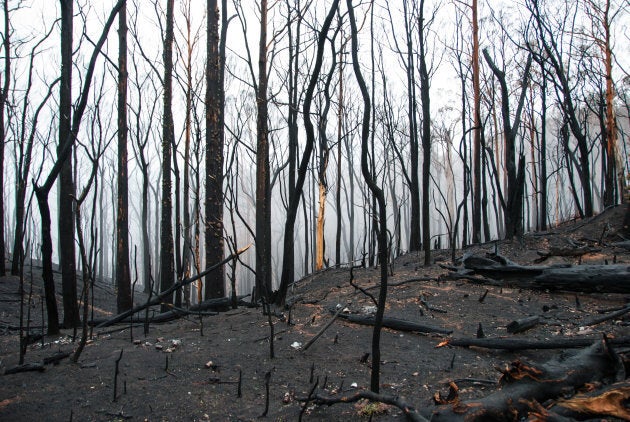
505	343
579	278
207	307
395	324
524	324
168	292
524	383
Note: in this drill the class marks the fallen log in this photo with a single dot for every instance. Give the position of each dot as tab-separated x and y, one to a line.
324	328
163	295
504	343
207	307
27	367
578	278
524	383
609	316
56	358
586	278
524	324
625	244
394	324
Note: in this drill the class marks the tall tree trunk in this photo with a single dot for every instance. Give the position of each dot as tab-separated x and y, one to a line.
476	211
378	194
288	254
123	275
263	190
42	192
167	263
553	56
288	267
6	83
516	176
543	149
426	137
340	111
66	184
324	154
414	145
215	283
187	250
610	191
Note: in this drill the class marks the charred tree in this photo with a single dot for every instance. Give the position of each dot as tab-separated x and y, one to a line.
215	283
377	192
263	188
123	274
6	83
167	264
66	180
425	86
288	262
42	192
513	207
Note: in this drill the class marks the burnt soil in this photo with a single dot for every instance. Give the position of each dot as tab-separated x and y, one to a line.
188	370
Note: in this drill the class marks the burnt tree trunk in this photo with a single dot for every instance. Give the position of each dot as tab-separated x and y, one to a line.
167	264
123	274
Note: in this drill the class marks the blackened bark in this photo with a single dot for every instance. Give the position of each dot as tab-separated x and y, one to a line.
215	285
66	182
288	266
426	137
412	113
476	155
263	190
3	99
123	275
42	192
377	192
552	55
515	176
47	271
167	263
543	149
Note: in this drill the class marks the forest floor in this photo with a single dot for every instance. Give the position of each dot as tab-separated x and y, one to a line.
185	371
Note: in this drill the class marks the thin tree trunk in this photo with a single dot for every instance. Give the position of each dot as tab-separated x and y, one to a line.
340	110
426	138
123	275
287	268
263	190
476	214
382	212
3	99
